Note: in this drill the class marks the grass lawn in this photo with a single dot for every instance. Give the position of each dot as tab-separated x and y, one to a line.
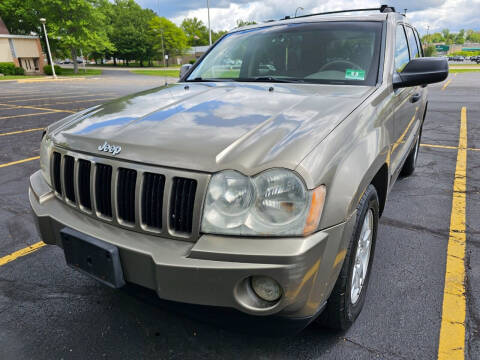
134	65
16	77
168	73
69	72
65	72
464	70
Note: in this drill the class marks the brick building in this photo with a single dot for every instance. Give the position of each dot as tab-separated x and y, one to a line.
22	50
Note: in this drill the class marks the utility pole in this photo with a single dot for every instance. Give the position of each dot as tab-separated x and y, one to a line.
428	28
43	21
209	28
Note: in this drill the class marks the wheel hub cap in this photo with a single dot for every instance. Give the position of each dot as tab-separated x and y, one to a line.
362	257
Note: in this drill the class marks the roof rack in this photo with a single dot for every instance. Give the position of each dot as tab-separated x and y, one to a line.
382	9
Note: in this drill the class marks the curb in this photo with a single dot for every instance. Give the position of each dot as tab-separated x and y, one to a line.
49	79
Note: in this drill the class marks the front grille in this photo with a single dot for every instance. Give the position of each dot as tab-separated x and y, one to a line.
152	199
103	189
181	205
158	201
127	179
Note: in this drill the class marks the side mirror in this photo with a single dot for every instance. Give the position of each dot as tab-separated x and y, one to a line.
185	69
421	71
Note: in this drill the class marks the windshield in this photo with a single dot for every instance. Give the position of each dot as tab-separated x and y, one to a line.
326	52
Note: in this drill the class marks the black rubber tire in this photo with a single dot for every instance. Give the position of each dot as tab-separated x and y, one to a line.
340	313
411	162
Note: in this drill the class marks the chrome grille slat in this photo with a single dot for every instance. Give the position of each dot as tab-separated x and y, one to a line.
160	201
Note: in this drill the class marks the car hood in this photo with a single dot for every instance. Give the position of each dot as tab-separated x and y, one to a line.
213	126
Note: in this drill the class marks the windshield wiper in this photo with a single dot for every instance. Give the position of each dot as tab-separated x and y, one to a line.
200	79
270	79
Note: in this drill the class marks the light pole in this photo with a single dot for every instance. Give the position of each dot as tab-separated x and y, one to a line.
209	28
299	8
428	39
43	21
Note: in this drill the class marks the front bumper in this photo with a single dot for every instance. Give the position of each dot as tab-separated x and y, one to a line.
214	270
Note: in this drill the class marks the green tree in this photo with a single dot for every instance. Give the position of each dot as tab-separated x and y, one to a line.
430	50
217	35
72	25
241	22
196	31
131	32
460	37
473	37
174	39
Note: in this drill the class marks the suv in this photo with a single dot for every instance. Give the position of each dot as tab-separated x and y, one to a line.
257	187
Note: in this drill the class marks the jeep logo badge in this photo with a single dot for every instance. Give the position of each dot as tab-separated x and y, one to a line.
113	149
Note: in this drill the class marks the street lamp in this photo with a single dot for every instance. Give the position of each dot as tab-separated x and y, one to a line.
43	21
209	28
299	8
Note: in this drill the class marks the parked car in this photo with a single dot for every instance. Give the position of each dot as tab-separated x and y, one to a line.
260	193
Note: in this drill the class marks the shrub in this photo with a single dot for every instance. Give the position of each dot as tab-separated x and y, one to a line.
47	69
19	71
192	61
7	68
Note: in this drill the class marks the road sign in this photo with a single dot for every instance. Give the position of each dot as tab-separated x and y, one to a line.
442	47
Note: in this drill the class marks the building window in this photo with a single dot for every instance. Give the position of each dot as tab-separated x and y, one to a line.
12	48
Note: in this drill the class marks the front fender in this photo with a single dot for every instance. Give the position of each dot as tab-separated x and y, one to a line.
349	158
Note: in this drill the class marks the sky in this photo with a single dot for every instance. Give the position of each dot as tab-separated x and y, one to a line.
436	14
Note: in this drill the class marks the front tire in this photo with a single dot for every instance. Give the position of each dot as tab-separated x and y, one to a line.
348	296
411	162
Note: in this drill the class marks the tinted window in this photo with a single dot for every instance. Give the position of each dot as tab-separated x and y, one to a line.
401	50
419	43
333	52
412	42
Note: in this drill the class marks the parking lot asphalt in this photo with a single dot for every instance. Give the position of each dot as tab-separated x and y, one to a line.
49	311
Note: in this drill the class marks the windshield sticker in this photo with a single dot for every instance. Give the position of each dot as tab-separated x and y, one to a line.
351	74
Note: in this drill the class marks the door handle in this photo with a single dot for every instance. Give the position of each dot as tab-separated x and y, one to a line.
415	97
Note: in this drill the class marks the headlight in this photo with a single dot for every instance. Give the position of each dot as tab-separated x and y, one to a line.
45	154
275	202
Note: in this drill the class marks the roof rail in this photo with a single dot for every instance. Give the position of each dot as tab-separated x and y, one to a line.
382	9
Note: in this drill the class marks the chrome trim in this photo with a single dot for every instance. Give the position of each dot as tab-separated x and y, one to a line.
169	173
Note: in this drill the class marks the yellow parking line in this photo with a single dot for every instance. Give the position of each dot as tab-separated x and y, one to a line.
18	97
35	114
447	147
38	108
446	84
22	252
439	146
452	332
21	131
50	97
81	101
19	161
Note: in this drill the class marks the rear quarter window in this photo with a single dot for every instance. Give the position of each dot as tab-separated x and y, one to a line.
412	43
401	50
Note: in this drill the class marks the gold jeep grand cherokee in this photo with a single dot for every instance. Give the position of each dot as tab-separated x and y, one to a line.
257	181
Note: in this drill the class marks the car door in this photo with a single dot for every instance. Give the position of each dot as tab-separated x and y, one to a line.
407	100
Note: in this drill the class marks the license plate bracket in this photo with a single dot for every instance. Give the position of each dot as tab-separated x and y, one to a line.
93	257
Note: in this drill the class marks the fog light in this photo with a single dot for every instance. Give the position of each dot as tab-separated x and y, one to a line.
266	288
